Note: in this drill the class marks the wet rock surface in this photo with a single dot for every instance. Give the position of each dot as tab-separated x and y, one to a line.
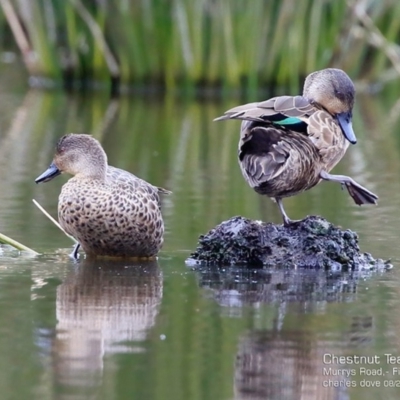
311	243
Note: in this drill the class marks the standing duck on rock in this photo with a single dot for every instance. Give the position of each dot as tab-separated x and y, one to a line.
288	144
109	211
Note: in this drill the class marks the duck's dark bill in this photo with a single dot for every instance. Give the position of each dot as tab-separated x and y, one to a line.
347	128
49	174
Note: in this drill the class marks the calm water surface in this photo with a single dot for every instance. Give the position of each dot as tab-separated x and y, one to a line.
116	330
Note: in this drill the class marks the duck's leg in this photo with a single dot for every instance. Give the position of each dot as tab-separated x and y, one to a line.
286	220
360	194
75	251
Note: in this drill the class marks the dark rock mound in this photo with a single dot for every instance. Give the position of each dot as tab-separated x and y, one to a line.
311	243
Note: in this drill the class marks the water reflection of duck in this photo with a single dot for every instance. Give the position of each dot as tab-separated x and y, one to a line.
289	144
290	364
110	212
105	307
235	288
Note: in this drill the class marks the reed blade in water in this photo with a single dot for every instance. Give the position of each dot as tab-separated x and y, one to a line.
52	220
13	243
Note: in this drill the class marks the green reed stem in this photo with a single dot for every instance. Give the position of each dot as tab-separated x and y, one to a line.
13	243
53	220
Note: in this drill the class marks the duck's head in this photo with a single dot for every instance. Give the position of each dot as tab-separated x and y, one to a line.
77	154
332	89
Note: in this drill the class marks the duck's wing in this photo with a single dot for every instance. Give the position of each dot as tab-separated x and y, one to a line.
122	177
272	141
263	155
266	152
291	112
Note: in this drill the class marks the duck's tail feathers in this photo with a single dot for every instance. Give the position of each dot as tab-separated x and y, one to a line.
248	112
163	191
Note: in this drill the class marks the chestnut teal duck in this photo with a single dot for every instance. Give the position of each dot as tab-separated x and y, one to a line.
288	144
109	211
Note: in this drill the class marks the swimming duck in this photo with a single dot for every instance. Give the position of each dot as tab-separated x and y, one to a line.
288	144
109	211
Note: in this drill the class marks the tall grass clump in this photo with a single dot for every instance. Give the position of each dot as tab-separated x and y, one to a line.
186	44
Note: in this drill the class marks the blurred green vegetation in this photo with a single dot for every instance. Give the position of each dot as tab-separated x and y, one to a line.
186	45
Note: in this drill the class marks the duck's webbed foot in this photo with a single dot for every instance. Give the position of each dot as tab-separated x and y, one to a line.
360	194
286	220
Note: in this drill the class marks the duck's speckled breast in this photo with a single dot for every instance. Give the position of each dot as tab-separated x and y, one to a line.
118	217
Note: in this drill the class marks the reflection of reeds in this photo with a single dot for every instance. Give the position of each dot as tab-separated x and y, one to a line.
185	43
176	145
170	144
